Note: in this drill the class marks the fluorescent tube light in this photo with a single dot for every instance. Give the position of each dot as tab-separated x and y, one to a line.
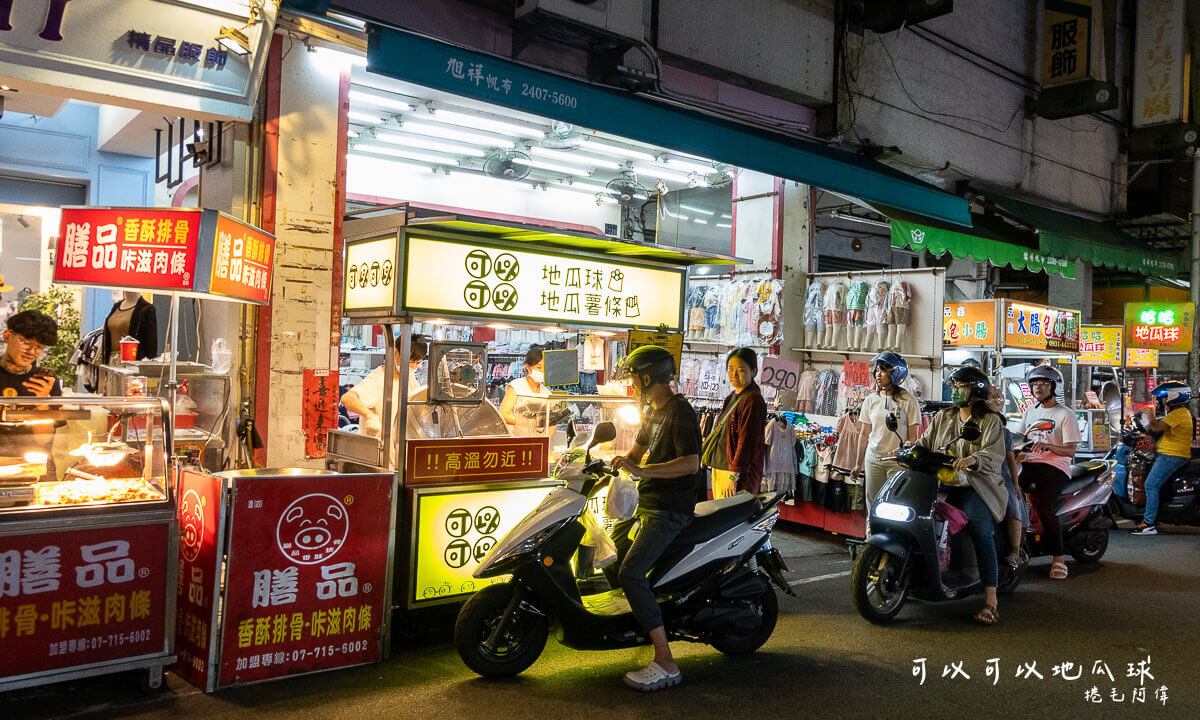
363	154
693	208
699	221
423	143
379	100
574	158
691	166
448	133
604	148
551	167
364	117
724	225
406	153
663	172
483	123
345	57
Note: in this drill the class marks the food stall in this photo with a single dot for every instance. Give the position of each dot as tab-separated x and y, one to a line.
87	539
465	477
1157	333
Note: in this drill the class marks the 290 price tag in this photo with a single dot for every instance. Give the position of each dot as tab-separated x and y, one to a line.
779	373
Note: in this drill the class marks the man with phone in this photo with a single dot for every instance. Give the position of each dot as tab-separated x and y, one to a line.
28	336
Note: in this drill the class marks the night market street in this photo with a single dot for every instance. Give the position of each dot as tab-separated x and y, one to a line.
824	661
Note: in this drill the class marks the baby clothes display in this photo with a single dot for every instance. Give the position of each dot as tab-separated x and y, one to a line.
835	304
814	313
825	401
779	468
876	320
806	391
737	312
856	303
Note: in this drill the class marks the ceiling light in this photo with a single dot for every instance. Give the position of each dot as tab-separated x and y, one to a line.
573	157
727	216
428	144
406	153
724	225
554	330
370	155
499	326
351	133
552	167
693	208
366	118
233	40
448	133
331	54
438	321
699	221
378	100
483	123
4	88
691	166
603	333
617	151
663	172
855	218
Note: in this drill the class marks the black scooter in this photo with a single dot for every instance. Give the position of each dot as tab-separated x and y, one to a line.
899	559
1179	497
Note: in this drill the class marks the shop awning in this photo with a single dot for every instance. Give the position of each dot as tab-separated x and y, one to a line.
989	240
442	66
488	228
1077	238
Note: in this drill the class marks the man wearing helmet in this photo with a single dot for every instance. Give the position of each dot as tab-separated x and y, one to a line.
1046	470
666	460
1174	447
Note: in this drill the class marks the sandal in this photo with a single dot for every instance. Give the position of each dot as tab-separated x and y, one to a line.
988	615
1058	571
652	677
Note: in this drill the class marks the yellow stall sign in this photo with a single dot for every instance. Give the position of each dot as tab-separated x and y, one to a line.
1100	345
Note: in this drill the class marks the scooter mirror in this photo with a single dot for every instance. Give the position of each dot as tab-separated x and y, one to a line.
891	422
604	432
1041	426
970	431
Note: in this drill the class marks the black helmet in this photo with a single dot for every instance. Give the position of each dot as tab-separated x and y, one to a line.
975	379
893	362
650	360
1048	373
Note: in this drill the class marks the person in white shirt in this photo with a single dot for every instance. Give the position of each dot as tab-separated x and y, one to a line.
1046	470
891	399
526	403
366	398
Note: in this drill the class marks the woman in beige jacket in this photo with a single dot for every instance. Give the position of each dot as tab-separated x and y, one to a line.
979	490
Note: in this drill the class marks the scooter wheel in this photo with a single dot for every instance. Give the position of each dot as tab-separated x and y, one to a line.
742	643
878	587
518	645
1089	548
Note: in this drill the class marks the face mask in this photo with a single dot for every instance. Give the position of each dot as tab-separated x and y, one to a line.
538	376
958	396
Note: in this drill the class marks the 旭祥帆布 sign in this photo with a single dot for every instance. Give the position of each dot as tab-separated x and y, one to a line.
481	280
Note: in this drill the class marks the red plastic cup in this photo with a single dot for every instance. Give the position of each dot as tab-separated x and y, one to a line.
129	350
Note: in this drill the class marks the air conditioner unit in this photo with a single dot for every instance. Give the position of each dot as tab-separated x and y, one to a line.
625	18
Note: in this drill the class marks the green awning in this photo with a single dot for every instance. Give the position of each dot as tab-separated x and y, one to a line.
1078	238
491	79
988	241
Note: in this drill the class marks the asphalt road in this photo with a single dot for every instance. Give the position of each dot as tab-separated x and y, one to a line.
824	661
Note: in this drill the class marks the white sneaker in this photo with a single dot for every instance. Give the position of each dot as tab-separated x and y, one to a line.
1145	530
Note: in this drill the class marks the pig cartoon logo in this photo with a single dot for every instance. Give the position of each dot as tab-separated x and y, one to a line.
312	529
191	525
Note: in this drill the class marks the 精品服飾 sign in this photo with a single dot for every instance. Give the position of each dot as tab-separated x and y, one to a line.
174	250
1037	327
1160	326
1100	345
969	323
482	280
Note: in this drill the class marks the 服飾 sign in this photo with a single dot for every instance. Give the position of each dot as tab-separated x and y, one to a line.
1066	44
306	575
82	596
1100	345
1160	326
475	459
455	530
1037	327
969	323
174	250
482	280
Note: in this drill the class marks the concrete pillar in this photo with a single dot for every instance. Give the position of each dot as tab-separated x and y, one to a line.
305	181
1073	294
796	261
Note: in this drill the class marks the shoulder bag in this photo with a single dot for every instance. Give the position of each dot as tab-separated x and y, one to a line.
714	452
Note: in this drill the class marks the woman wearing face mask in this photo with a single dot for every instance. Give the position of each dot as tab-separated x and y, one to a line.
891	399
526	401
744	425
979	492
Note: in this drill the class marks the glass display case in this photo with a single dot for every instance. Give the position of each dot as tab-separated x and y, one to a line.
83	452
577	415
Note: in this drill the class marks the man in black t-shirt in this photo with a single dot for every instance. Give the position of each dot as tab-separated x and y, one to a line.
26	339
666	460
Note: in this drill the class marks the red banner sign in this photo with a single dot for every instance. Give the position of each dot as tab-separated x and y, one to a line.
856	373
319	412
71	598
128	247
199	515
242	263
474	459
307	573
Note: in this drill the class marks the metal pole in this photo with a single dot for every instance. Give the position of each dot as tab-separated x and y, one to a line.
172	359
1194	281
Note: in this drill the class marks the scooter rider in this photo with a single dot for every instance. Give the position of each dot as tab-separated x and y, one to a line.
666	459
981	494
1047	467
1174	447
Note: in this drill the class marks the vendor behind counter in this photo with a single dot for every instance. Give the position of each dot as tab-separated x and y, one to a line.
28	335
526	403
366	398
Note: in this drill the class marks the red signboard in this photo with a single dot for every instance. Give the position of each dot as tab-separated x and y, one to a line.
320	410
77	597
307	574
241	266
199	515
128	247
474	459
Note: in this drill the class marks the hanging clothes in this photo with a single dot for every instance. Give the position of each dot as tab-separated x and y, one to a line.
779	468
826	394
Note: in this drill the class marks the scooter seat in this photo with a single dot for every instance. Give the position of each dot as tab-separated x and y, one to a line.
714	517
1086	468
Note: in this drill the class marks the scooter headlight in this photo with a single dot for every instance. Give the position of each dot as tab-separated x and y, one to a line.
894	512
